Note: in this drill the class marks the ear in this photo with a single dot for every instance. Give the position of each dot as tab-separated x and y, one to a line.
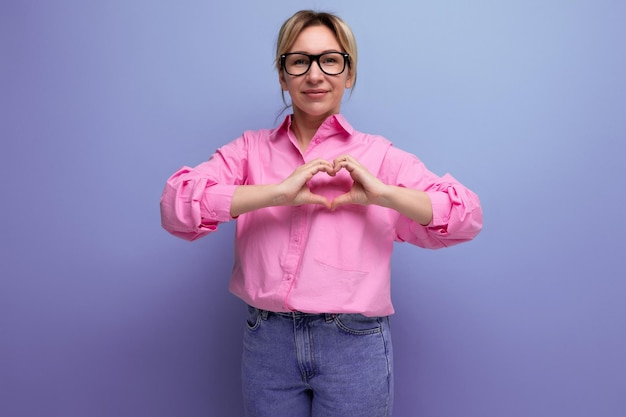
282	81
350	80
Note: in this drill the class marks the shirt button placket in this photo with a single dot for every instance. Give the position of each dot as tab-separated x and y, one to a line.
294	251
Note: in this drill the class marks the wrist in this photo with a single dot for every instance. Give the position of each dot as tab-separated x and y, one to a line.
277	195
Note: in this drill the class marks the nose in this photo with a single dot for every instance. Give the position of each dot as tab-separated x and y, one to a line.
315	71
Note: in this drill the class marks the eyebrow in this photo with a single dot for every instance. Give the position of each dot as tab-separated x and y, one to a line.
323	52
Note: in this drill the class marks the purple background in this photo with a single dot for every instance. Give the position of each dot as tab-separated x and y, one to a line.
102	313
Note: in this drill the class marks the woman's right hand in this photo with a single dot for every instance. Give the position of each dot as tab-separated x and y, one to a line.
294	188
292	191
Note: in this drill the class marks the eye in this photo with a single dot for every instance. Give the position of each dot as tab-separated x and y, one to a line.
298	60
332	59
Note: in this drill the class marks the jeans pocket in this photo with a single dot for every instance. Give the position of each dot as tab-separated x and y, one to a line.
253	320
358	324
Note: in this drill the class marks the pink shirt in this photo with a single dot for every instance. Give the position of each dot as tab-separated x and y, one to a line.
308	258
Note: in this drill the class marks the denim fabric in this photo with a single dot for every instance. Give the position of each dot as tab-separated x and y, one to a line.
316	365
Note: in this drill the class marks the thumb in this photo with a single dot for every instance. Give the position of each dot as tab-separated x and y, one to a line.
318	199
340	200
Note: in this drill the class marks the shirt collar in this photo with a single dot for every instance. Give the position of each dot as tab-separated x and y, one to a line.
335	123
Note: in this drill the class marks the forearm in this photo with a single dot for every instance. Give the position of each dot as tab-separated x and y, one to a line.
253	197
413	204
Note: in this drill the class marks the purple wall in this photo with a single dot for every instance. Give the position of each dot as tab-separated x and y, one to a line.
102	313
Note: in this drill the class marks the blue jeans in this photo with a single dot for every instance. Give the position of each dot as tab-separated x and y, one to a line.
316	365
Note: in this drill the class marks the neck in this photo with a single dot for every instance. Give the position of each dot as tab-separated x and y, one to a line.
304	127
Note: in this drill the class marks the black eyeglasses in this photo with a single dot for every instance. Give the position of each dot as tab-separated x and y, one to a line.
298	63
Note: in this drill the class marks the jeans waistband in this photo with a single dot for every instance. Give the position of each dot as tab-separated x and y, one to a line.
294	314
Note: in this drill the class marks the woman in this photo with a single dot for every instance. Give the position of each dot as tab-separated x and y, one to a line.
318	207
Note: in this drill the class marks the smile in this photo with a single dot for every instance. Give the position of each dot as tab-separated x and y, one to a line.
315	93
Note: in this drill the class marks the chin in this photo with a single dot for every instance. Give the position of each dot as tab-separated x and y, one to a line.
319	112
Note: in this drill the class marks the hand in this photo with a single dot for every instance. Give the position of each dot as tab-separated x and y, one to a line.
366	188
295	190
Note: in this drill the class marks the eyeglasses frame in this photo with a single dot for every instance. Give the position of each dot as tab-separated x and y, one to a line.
315	58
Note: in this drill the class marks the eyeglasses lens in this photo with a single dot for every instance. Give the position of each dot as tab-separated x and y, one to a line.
332	63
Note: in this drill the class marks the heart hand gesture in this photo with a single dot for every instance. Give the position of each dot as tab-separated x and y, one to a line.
295	190
366	188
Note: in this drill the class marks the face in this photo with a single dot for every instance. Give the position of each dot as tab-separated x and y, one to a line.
315	94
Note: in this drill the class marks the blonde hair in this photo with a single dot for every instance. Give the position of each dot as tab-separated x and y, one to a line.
303	19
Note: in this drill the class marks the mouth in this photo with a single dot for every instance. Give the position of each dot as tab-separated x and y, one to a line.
315	93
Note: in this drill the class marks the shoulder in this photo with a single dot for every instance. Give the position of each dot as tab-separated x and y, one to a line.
380	144
258	134
394	160
365	138
372	138
255	135
252	138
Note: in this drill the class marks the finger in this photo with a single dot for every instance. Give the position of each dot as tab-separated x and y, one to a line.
321	165
340	160
340	163
340	200
327	167
320	200
320	162
313	167
315	170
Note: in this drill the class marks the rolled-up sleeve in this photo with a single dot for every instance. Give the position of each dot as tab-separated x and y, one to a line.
457	213
196	200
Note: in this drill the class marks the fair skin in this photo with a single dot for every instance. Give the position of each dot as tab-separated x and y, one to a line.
316	96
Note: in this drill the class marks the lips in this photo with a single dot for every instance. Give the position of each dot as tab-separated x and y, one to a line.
315	93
